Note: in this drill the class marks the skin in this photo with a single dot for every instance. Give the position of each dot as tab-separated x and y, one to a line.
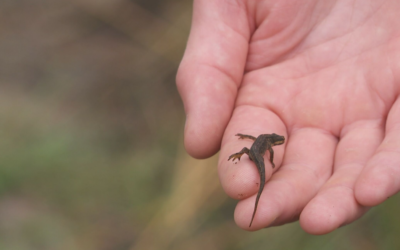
325	75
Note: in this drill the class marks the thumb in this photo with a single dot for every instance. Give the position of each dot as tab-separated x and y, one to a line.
211	71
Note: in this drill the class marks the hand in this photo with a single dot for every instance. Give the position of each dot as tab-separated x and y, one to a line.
325	74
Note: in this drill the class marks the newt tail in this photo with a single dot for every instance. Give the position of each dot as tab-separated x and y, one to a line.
261	168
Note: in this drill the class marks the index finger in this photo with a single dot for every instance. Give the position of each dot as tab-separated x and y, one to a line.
237	179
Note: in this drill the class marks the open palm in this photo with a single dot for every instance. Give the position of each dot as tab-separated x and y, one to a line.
325	74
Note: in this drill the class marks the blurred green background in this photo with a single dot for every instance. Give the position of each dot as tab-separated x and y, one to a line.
91	153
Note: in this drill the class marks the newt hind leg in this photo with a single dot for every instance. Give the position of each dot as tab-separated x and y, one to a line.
242	136
239	154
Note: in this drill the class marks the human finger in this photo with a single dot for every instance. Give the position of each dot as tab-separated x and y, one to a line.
335	204
381	177
303	171
238	180
211	71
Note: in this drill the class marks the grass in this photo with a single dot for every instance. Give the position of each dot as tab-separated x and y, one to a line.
91	153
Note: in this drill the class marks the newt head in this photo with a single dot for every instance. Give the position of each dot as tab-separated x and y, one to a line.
276	139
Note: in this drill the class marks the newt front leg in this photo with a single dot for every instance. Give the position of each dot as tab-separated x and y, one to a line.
242	136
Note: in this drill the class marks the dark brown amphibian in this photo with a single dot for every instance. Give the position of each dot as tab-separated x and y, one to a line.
256	153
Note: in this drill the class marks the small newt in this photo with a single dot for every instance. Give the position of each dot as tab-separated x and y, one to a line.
256	153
